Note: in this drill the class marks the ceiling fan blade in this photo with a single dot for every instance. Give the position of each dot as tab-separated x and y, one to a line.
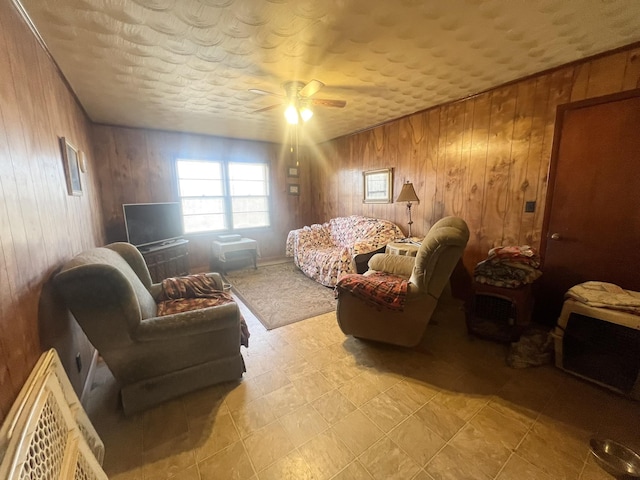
264	92
267	108
327	102
311	88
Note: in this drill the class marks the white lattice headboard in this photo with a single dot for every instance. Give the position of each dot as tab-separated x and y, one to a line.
47	434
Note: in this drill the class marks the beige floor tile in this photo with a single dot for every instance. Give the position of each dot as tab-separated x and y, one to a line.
169	458
164	423
303	424
123	447
442	420
593	471
285	400
546	455
565	438
292	386
418	440
135	474
385	412
312	385
513	410
299	369
333	406
232	462
478	449
499	428
464	405
518	468
271	381
387	461
450	464
190	473
267	445
243	394
359	391
341	372
252	417
353	471
208	402
291	467
422	475
383	379
357	432
326	455
409	396
210	435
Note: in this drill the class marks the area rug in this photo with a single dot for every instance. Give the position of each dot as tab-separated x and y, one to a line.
280	294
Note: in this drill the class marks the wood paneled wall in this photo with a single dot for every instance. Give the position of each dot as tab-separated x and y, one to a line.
480	158
40	225
138	166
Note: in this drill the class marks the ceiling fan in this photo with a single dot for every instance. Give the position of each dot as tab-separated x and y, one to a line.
299	99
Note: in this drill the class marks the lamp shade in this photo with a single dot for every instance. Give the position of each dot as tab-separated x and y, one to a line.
408	194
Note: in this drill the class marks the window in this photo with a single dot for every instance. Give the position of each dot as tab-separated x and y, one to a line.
218	195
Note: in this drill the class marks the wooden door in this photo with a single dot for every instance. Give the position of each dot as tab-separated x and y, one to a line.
592	222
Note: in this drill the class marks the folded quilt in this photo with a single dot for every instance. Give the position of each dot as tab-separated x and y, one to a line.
381	290
193	292
606	295
509	267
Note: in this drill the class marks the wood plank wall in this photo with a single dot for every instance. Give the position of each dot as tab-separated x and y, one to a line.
40	225
480	158
138	166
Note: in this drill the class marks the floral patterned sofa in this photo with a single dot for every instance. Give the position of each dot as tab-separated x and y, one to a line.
328	251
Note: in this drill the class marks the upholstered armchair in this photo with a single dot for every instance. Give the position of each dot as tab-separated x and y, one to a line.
388	319
154	358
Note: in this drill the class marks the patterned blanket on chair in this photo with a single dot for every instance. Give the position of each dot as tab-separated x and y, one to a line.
381	290
193	292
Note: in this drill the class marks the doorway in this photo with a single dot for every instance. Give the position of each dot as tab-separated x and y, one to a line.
591	229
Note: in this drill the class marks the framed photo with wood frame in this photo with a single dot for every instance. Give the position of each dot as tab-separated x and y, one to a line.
292	172
293	189
71	162
378	186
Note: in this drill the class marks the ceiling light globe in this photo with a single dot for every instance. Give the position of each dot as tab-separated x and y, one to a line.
306	114
291	114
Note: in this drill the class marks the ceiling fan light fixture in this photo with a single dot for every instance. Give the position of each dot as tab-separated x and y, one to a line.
291	114
306	113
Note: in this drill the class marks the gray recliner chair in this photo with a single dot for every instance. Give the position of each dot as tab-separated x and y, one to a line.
428	274
109	292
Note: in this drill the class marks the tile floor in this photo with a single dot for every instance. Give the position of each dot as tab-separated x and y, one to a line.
315	404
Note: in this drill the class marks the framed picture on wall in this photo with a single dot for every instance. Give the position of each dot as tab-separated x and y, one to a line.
293	189
378	186
71	161
292	171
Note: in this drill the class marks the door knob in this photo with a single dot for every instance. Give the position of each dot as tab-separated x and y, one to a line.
555	236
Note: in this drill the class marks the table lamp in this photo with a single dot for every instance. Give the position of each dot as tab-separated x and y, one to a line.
408	194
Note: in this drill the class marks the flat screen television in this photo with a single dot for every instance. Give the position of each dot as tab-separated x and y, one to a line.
152	223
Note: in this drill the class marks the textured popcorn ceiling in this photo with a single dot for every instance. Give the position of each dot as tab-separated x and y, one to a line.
187	65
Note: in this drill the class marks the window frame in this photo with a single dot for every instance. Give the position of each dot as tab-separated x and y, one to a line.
227	197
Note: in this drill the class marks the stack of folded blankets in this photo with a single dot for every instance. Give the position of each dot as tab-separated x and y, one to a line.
509	267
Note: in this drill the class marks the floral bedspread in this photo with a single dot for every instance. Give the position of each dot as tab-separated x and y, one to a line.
325	251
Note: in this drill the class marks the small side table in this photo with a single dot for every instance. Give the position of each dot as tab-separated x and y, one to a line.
223	252
401	248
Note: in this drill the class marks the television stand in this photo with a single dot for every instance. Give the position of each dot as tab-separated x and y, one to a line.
167	259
